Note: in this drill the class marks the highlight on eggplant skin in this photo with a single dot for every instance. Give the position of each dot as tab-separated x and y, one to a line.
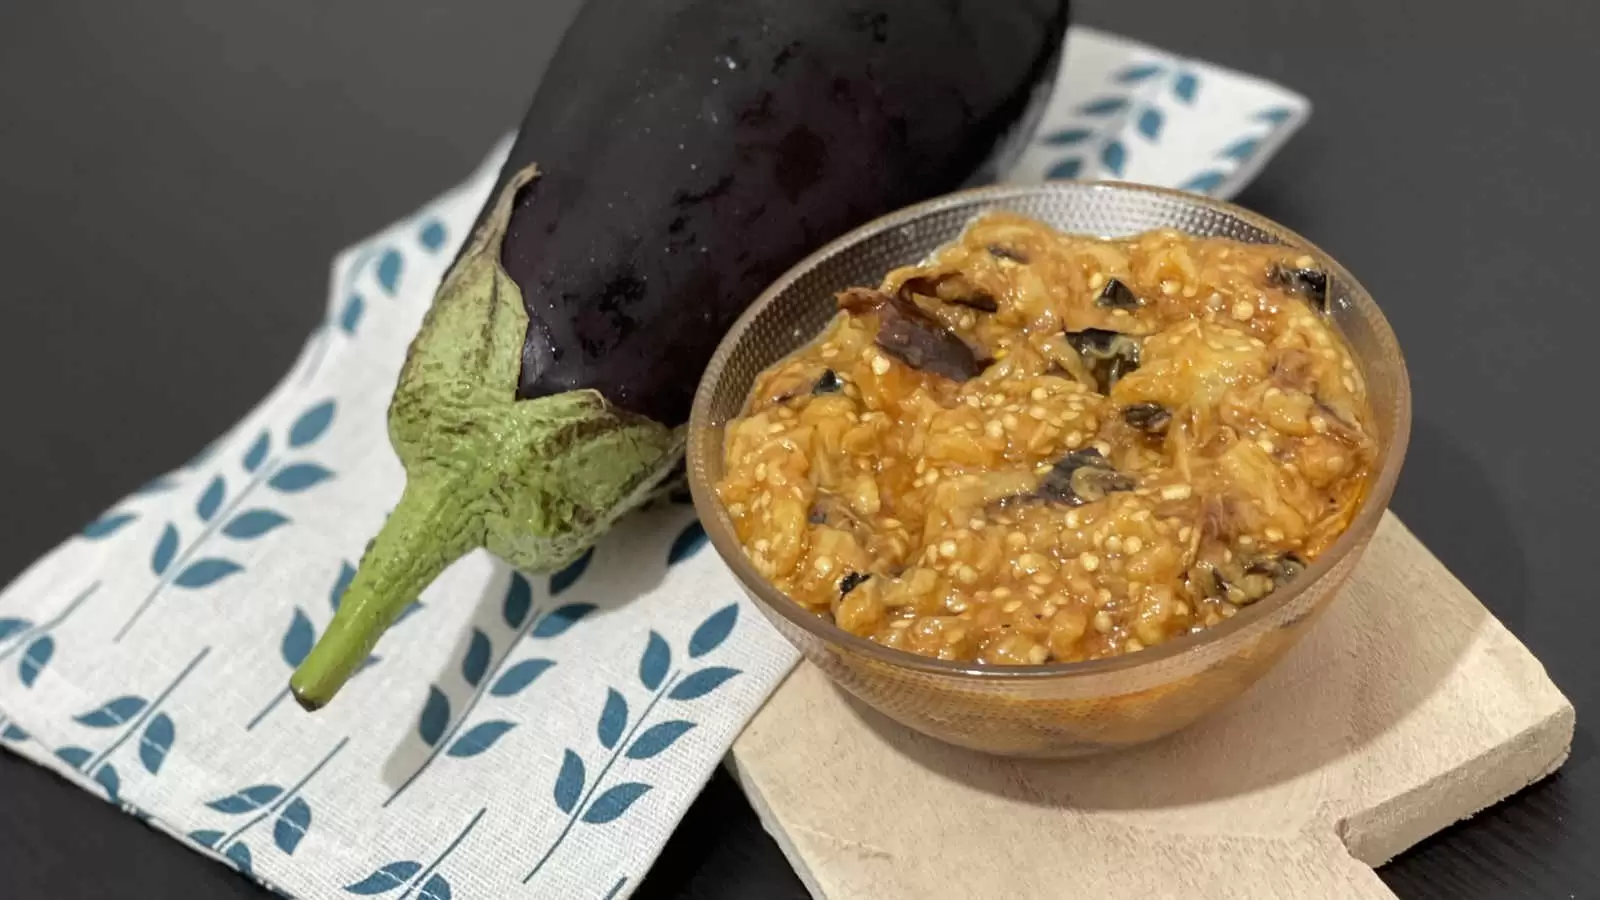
678	156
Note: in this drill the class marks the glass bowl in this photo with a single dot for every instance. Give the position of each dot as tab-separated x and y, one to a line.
1058	709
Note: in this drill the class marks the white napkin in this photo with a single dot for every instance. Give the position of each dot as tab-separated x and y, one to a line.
513	737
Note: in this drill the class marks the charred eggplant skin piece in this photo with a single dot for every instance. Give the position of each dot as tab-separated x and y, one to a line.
678	156
1311	284
1108	355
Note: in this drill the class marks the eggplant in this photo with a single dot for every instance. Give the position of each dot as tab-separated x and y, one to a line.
678	156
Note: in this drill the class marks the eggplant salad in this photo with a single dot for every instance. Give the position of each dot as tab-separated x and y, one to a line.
678	157
1041	447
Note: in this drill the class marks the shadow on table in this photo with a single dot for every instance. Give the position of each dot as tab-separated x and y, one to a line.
486	659
1327	697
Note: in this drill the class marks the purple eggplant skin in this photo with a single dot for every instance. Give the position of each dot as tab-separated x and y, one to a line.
691	151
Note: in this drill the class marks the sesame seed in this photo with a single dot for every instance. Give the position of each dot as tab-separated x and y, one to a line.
1169	287
1104	596
1246	540
900	623
1037	412
1176	492
1073	518
1043	578
1184	534
1037	654
1304	262
1010	421
1319	424
1017	540
1349	383
1074	439
762	545
994	429
1039	394
947	549
1102	622
1002	592
1114	544
1011	606
891	523
1133	544
1273	534
1097	281
955	636
1089	561
829	353
1133	645
1265	445
957	606
975	524
967	575
1048	609
1243	310
880	365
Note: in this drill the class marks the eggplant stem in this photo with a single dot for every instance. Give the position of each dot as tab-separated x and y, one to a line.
430	528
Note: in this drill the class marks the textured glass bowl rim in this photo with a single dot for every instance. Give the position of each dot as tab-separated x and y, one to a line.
719	527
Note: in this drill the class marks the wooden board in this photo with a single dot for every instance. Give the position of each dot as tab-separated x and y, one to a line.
1406	708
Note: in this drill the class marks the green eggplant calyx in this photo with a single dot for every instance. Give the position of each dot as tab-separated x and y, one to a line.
536	482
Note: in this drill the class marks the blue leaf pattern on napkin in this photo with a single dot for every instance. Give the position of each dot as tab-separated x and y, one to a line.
299	477
35	658
556	623
206	572
211	500
702	682
247	800
613	718
257	454
713	631
350	316
569	782
239	855
569	576
389	268
8	627
519	676
432	235
166	549
253	524
610	806
107	525
656	661
480	738
298	640
292	825
518	601
311	424
689	542
435	717
386	879
114	713
1137	73
658	738
156	742
476	662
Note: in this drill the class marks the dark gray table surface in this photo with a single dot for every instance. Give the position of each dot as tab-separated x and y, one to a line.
175	176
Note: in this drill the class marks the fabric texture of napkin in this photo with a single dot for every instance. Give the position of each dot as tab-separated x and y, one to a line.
512	736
